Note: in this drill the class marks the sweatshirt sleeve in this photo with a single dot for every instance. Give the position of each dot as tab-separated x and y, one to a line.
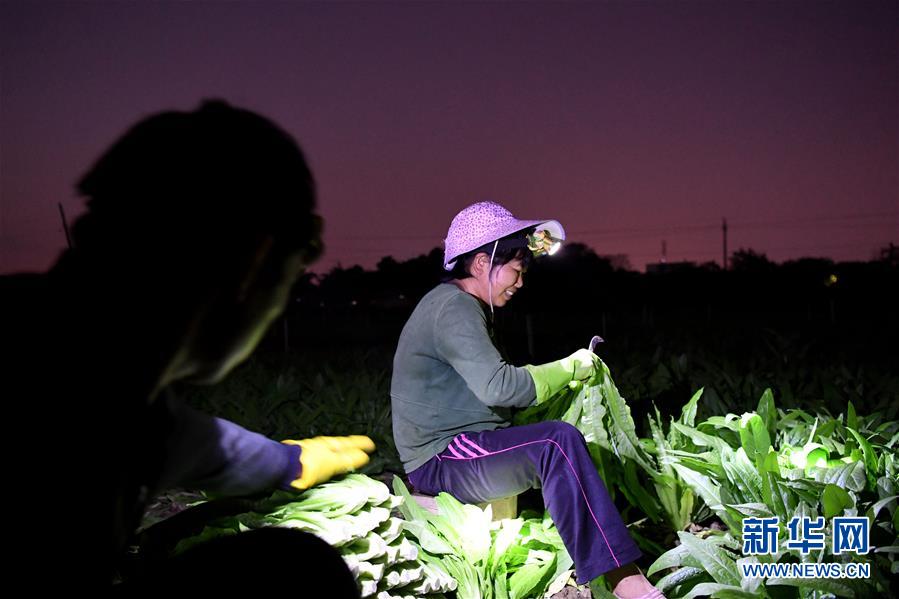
214	454
463	341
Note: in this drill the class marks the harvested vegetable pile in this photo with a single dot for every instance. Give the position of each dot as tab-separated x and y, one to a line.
356	516
509	559
397	549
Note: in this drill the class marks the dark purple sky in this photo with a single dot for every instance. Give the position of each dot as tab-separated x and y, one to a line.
631	123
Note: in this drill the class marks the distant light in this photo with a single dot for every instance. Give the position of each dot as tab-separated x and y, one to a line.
402	297
831	280
353	303
554	248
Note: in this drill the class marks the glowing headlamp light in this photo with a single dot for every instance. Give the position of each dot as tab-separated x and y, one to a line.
541	243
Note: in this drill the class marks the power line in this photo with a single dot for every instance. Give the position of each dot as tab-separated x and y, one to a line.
742	225
703	252
637	232
816	219
827	246
380	246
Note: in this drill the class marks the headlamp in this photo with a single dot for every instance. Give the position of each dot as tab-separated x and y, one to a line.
541	243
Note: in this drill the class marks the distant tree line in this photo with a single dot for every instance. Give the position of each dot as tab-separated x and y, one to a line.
847	307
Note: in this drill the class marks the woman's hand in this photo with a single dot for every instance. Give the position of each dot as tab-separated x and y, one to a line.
552	377
324	457
583	364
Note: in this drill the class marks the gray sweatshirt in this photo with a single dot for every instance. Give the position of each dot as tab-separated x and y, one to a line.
449	378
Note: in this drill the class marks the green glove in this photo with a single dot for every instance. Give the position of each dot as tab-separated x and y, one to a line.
324	457
552	377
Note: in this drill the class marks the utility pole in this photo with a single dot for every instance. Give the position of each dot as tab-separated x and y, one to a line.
65	225
664	251
724	239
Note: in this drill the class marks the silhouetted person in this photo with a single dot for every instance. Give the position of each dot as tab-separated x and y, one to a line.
255	564
197	225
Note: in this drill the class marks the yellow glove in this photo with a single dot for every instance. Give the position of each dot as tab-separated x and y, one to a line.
324	457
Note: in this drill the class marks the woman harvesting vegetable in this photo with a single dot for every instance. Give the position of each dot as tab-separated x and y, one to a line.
451	393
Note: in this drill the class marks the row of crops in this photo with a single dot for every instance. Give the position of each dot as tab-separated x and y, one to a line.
719	471
686	489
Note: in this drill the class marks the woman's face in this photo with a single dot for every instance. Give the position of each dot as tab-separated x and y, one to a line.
507	280
237	319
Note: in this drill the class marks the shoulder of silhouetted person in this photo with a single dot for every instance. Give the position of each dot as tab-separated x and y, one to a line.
26	317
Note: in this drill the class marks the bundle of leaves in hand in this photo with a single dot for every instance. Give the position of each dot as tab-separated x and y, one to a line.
354	514
604	418
509	559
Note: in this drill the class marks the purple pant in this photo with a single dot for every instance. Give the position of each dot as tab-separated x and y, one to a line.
479	467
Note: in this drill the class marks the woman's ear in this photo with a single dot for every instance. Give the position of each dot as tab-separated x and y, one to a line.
480	264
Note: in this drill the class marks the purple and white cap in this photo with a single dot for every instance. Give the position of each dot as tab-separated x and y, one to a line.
481	223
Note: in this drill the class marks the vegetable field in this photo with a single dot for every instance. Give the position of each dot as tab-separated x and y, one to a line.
686	480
